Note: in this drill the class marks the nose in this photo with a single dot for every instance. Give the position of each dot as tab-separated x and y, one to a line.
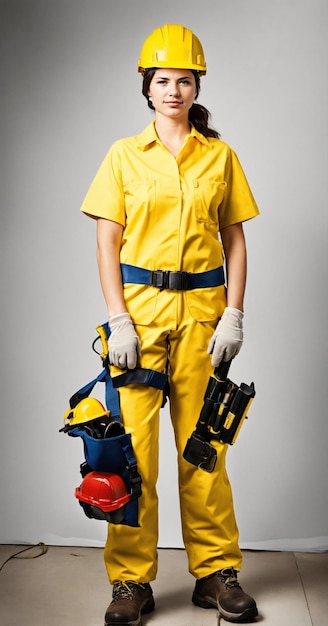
174	89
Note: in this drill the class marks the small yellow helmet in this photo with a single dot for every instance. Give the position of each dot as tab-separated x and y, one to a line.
86	410
172	46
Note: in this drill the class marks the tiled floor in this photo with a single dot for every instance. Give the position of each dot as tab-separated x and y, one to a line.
68	587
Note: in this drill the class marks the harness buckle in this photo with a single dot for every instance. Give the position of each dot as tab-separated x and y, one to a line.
135	480
162	279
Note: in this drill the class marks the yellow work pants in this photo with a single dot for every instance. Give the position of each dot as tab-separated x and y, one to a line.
209	528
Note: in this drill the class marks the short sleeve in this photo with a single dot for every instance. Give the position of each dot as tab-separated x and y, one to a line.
238	204
105	197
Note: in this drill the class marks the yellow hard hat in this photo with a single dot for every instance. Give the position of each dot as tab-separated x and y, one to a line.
85	411
172	46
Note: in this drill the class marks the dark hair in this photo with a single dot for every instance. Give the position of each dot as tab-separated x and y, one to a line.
199	116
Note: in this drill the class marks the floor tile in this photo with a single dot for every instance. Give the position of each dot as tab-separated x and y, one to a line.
273	579
313	570
172	591
65	587
68	587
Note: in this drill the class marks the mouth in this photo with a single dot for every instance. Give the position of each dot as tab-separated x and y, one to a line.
173	103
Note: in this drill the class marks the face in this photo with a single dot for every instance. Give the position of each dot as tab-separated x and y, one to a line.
173	92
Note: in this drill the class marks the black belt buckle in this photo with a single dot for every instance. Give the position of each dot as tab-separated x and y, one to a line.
159	278
177	281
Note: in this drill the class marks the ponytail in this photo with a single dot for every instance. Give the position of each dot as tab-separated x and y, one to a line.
199	116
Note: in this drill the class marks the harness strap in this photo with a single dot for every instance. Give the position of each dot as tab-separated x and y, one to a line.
179	281
141	376
111	393
132	469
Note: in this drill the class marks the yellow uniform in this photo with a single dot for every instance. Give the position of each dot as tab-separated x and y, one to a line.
172	210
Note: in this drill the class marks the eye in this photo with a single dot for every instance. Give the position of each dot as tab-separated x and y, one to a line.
185	81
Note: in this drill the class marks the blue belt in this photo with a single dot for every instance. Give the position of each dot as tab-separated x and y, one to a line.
179	281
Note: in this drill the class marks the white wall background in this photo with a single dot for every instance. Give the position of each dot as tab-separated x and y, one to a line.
69	88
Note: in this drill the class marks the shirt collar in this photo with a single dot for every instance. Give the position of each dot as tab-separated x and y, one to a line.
149	136
195	133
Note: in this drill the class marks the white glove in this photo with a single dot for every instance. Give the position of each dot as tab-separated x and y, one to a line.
228	336
123	342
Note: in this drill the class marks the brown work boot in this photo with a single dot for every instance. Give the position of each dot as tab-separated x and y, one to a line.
129	601
222	591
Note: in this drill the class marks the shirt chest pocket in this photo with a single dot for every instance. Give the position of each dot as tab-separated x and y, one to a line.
208	195
139	196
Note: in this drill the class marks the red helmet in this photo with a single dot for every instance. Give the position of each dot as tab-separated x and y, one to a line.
103	496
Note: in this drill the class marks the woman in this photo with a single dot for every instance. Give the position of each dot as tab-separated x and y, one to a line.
160	199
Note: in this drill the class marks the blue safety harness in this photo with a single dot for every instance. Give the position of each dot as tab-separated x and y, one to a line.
115	454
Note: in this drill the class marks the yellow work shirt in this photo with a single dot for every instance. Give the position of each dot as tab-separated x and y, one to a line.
172	209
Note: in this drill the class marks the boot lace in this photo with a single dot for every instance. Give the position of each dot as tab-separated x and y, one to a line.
124	589
229	578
